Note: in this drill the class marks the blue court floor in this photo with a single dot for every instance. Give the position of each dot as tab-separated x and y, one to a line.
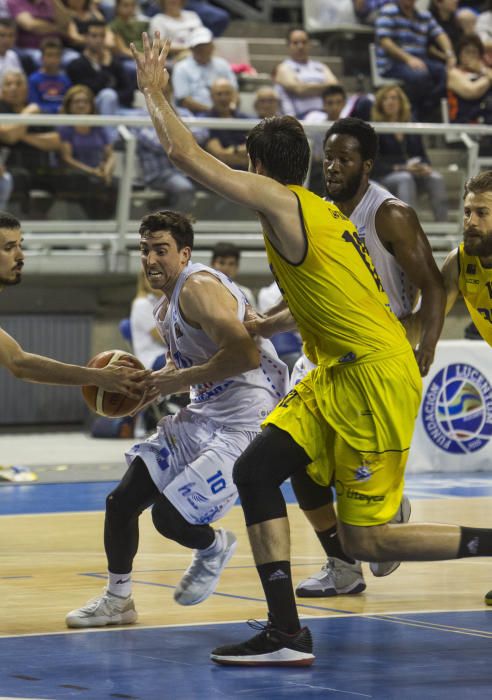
405	657
397	656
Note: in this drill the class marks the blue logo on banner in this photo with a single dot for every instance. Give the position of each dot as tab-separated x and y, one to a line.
457	409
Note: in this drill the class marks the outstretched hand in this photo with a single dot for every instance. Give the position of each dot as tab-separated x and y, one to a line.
151	63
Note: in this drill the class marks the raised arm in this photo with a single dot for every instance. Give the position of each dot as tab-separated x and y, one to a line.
207	304
399	230
251	190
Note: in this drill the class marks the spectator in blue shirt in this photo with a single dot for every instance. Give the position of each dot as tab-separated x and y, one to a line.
48	85
403	34
193	76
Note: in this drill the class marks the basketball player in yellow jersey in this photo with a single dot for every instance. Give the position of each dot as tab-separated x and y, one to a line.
352	417
468	269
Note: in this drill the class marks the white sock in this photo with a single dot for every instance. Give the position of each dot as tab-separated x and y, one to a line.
217	546
120	584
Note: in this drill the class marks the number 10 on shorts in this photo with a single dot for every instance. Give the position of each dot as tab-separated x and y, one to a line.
217	482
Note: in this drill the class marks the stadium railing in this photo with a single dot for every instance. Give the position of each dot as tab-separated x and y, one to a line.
111	245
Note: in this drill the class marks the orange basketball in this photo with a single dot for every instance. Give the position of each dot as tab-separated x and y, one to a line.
107	403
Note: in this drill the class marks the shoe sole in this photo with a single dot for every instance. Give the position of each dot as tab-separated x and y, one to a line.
406	511
128	618
303	660
330	592
209	592
488	598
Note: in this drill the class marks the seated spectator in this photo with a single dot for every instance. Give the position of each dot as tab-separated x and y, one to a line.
226	258
160	174
31	151
48	85
267	102
37	20
8	58
88	153
127	27
6	186
103	74
176	24
300	80
366	11
147	344
446	15
82	12
227	145
193	76
470	84
402	164
483	28
403	34
214	18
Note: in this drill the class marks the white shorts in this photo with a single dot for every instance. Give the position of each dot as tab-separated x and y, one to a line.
190	459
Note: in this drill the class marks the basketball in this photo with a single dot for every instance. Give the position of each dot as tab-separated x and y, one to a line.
107	403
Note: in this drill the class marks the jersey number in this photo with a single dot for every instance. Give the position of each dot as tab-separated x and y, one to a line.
364	254
217	482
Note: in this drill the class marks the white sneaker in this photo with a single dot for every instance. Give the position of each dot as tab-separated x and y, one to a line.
337	577
107	609
202	576
387	567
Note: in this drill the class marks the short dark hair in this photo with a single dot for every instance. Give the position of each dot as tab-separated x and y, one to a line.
8	221
293	29
51	42
179	226
7	23
225	250
334	90
470	40
479	183
95	23
281	145
361	131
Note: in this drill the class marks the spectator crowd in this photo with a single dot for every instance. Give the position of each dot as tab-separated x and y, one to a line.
74	57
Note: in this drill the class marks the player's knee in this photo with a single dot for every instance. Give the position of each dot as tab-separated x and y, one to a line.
309	494
163	517
117	506
362	543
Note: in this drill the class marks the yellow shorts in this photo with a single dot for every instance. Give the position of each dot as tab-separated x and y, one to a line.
356	424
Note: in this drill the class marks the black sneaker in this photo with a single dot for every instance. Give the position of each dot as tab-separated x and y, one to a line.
269	648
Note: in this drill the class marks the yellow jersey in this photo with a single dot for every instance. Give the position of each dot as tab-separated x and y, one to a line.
335	294
475	284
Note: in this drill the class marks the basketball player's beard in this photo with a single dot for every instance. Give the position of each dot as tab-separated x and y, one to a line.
11	282
348	191
479	246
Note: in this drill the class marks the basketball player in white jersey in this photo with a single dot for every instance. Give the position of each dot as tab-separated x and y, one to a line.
44	370
184	470
403	260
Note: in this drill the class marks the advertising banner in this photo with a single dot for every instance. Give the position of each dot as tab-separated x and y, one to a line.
453	432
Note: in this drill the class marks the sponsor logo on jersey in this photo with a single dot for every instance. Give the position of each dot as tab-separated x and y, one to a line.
363	473
457	409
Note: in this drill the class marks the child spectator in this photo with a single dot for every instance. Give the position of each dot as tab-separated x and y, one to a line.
176	24
8	58
48	85
127	28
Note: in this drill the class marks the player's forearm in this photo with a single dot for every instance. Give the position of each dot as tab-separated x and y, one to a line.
279	322
36	368
431	315
227	362
175	138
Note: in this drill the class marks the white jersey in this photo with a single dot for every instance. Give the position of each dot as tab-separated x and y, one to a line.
242	401
401	292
